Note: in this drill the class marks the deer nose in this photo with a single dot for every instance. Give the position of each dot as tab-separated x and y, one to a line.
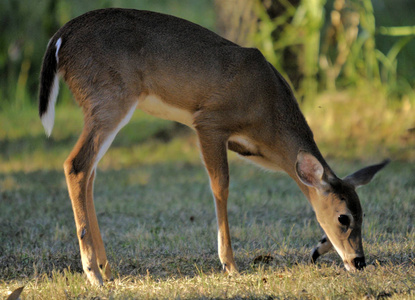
359	262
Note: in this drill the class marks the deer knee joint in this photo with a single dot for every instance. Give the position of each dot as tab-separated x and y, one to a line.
70	168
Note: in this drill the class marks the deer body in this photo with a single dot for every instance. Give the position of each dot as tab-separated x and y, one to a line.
117	60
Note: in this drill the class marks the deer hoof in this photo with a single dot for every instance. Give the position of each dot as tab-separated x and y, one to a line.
314	255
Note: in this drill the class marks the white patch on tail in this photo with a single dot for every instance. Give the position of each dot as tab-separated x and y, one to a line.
48	118
58	46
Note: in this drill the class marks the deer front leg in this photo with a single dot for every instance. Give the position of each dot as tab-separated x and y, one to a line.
96	235
322	247
213	148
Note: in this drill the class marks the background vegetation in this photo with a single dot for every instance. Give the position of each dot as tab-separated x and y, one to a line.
340	56
351	65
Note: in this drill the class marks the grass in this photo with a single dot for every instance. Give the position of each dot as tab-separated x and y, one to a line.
156	211
158	223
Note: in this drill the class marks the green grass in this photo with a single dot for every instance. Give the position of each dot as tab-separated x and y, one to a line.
157	219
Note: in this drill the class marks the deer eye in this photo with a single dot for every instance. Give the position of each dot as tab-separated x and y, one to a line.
344	220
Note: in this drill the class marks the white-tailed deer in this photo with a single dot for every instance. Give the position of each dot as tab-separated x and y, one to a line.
117	60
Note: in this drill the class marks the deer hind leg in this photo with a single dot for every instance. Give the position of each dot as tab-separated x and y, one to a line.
80	166
94	228
213	148
322	247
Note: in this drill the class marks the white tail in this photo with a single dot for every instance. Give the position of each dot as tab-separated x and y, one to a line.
117	60
49	92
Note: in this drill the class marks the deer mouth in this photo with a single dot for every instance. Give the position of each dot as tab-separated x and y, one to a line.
358	263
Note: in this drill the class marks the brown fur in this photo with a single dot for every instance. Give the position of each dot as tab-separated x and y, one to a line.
113	59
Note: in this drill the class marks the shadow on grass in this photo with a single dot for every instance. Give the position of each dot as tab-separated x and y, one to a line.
128	137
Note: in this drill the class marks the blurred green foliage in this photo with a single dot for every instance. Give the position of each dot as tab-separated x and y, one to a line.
26	27
337	44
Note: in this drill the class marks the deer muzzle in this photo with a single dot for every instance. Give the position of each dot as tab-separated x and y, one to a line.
357	263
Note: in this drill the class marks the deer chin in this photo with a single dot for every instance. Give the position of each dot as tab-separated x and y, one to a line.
352	262
347	266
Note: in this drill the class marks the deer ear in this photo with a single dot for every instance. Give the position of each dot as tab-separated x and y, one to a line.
365	175
309	170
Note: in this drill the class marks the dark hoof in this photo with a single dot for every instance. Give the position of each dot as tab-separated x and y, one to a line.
314	255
